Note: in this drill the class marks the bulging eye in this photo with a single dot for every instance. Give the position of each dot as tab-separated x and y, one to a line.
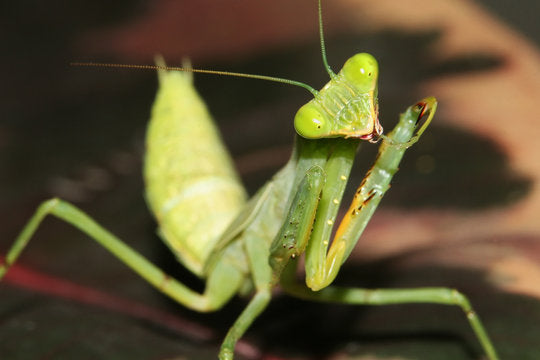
310	123
362	70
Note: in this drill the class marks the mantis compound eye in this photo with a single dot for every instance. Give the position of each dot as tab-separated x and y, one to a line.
310	123
362	71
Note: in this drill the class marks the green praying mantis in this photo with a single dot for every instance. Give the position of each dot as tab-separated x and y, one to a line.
249	246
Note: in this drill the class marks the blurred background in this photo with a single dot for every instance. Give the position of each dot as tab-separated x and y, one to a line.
462	212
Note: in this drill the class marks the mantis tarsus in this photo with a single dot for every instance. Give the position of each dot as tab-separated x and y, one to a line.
248	247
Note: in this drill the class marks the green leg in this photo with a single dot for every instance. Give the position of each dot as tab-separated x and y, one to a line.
294	234
358	296
255	307
266	263
218	289
323	263
323	257
257	253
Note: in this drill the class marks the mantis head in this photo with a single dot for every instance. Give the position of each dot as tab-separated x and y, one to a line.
346	106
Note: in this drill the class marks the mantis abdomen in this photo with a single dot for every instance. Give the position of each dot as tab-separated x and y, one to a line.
191	185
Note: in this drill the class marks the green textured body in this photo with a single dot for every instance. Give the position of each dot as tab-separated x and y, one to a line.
191	185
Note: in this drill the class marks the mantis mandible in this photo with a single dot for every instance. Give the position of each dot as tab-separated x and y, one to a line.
248	247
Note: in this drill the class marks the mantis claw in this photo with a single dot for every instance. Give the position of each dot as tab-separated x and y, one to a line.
415	113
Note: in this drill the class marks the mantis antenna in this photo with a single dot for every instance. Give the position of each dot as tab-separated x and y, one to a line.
323	47
202	71
228	73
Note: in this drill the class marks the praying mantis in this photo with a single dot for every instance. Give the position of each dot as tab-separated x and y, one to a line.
249	246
